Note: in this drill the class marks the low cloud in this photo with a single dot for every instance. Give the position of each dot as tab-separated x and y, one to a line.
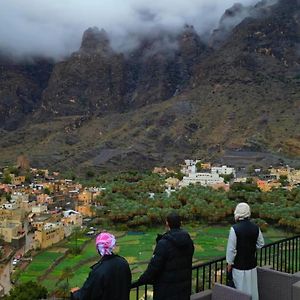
54	28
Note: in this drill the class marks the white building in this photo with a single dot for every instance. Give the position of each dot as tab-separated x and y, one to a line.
224	170
189	167
11	205
204	179
19	197
39	209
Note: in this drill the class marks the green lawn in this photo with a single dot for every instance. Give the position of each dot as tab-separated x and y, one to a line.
39	265
210	242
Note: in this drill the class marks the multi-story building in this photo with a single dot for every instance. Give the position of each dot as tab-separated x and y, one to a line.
85	196
49	234
44	199
12	232
39	209
85	210
12	214
211	177
189	167
201	178
223	170
72	217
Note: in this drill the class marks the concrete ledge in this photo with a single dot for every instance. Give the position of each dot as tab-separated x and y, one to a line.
296	277
221	292
296	291
205	295
275	285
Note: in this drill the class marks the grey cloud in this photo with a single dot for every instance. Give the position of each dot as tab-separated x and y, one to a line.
54	27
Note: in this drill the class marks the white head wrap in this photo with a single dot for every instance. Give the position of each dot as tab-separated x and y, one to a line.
242	211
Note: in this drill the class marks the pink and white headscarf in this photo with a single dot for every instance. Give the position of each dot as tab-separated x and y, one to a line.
105	243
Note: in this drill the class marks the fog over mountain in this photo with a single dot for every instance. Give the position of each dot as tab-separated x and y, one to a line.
54	28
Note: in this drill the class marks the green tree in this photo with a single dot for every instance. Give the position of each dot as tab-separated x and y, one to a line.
76	234
14	170
47	191
90	174
66	275
8	197
28	177
27	291
283	180
63	290
7	178
227	177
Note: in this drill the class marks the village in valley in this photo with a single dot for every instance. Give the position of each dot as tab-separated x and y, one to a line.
39	208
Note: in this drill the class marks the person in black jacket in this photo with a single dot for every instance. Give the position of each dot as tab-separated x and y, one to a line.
170	268
110	278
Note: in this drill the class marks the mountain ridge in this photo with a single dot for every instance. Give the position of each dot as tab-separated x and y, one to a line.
172	97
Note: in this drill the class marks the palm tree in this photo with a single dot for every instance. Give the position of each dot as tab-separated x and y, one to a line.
63	282
66	274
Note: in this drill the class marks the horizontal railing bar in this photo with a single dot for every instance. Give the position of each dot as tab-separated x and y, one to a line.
278	248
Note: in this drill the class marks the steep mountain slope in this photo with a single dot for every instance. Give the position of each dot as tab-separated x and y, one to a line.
171	98
96	79
21	86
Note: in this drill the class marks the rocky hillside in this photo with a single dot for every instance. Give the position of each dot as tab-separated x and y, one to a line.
96	79
172	97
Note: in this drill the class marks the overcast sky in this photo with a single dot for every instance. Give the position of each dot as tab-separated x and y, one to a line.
54	27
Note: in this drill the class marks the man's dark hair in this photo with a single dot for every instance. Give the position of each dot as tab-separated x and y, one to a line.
173	220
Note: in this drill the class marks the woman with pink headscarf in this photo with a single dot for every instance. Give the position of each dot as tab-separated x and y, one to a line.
110	278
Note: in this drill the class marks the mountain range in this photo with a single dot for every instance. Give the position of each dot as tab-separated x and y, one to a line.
176	95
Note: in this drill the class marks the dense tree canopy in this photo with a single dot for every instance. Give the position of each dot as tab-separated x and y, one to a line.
27	291
138	199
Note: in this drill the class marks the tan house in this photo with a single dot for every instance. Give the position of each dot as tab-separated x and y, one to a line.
38	225
11	230
27	205
49	234
172	182
283	171
12	214
294	177
85	197
205	166
17	180
85	210
161	170
44	199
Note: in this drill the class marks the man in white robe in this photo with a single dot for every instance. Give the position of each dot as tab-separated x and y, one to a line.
244	238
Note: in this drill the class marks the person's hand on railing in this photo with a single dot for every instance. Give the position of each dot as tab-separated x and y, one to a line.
229	268
73	292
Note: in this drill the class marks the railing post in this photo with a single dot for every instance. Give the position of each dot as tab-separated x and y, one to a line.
284	255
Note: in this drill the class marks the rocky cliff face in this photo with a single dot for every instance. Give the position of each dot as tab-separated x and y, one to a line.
171	97
96	79
92	79
21	86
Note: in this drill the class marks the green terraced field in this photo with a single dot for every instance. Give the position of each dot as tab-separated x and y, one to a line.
136	247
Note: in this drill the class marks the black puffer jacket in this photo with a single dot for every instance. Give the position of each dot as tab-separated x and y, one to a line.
109	279
170	269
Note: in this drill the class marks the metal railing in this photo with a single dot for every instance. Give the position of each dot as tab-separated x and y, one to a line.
283	255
